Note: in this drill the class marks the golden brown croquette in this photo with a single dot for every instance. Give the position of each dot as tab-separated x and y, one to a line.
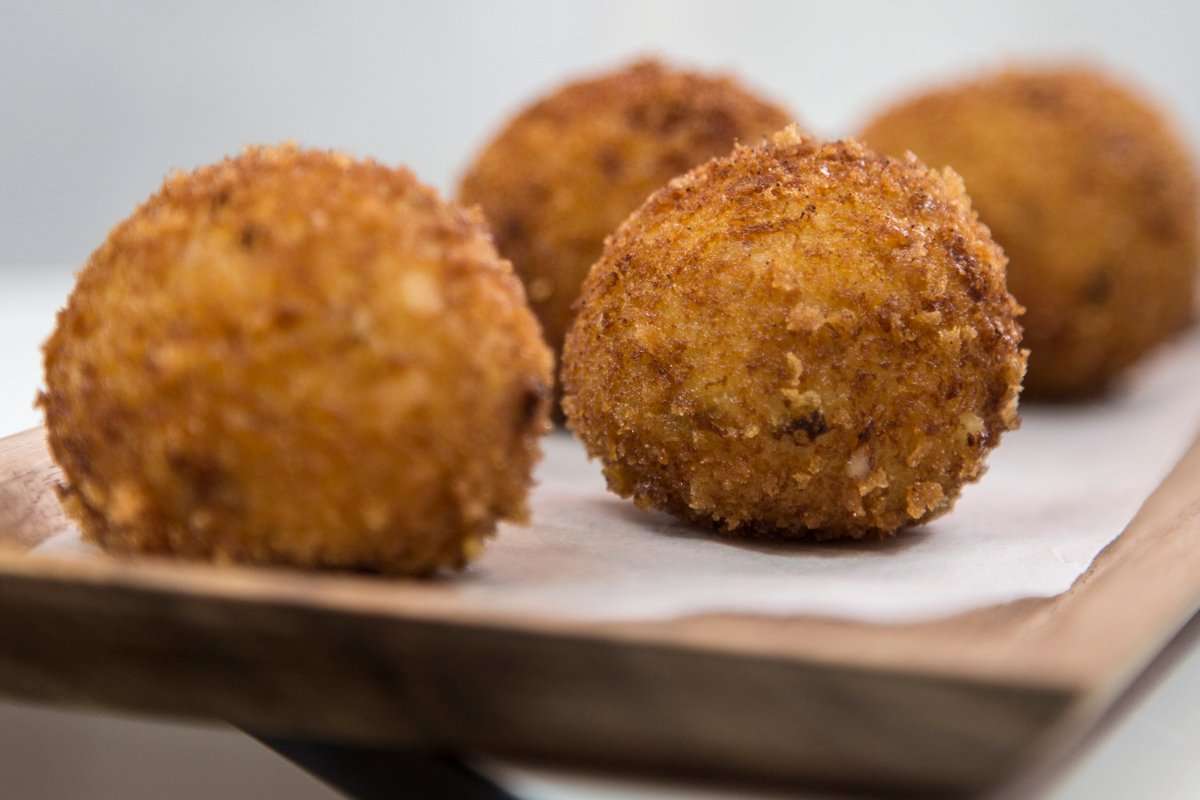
800	339
1092	196
296	357
564	173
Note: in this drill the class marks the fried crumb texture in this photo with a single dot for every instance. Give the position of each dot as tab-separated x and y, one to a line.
1093	197
296	357
566	171
801	339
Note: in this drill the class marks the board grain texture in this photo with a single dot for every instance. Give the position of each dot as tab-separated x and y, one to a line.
958	706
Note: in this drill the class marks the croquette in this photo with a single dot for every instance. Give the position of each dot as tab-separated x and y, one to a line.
295	357
801	339
1091	194
567	170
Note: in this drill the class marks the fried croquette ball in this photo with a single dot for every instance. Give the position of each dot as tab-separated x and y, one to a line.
801	339
295	357
1091	195
566	171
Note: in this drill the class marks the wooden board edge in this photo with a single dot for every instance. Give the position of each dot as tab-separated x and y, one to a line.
383	679
1079	649
1085	636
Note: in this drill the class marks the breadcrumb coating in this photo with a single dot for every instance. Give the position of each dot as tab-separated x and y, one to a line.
1093	197
567	170
300	358
800	339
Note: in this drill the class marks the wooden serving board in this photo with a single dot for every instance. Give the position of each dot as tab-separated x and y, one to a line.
958	705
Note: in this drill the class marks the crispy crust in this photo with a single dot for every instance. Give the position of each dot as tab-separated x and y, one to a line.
1093	198
296	357
564	173
801	339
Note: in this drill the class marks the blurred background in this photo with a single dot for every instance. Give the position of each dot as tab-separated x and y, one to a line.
101	100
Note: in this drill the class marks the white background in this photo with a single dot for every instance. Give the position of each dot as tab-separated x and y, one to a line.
98	101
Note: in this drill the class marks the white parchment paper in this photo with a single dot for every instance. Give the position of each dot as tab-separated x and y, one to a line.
1057	491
